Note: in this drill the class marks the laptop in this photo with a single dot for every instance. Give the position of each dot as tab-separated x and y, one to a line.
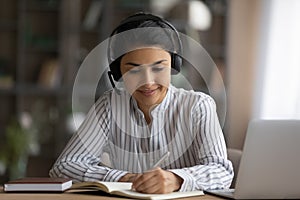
270	164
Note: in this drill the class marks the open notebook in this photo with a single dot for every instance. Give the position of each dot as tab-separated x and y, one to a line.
124	189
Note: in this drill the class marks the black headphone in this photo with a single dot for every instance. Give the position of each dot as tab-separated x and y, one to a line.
114	65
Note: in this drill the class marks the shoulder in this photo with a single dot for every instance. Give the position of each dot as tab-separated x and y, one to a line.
111	94
105	97
112	97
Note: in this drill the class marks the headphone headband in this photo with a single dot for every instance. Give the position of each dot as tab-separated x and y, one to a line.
141	17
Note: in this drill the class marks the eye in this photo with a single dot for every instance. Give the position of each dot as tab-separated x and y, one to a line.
158	68
134	71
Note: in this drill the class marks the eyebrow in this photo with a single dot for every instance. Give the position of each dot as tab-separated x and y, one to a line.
137	65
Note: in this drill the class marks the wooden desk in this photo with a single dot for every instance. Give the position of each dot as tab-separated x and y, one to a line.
78	196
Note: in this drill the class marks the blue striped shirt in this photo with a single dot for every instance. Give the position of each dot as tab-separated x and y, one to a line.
185	124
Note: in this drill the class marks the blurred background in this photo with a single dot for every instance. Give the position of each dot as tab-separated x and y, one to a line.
255	45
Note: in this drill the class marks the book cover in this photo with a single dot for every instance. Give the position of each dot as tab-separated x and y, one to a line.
38	184
124	189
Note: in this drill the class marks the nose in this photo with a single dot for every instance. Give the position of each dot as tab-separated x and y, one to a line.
147	77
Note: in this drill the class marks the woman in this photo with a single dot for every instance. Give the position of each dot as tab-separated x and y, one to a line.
148	118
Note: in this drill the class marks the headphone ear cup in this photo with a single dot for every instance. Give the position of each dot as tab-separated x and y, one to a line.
115	70
176	63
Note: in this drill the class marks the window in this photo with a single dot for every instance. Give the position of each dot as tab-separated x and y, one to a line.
278	84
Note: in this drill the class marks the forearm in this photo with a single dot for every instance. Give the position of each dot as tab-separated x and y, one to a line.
81	157
80	171
203	177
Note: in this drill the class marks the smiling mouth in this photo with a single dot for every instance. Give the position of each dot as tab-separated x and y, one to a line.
147	92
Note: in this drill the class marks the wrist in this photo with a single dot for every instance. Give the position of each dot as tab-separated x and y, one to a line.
128	178
178	182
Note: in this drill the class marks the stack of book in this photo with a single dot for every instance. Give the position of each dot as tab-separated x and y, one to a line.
41	184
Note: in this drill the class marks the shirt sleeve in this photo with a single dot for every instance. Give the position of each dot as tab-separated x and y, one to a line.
81	157
214	170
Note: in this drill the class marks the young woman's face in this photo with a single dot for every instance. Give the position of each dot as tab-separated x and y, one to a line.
147	73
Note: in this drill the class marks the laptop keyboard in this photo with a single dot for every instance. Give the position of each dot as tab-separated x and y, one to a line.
225	192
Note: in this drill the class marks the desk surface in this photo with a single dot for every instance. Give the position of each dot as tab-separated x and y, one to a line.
78	196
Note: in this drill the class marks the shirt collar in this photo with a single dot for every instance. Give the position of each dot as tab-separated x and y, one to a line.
166	101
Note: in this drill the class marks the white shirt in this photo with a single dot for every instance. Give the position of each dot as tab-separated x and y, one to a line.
185	123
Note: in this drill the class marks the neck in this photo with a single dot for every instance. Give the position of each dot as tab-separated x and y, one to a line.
146	110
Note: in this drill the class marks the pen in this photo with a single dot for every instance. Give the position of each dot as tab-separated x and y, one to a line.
163	158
